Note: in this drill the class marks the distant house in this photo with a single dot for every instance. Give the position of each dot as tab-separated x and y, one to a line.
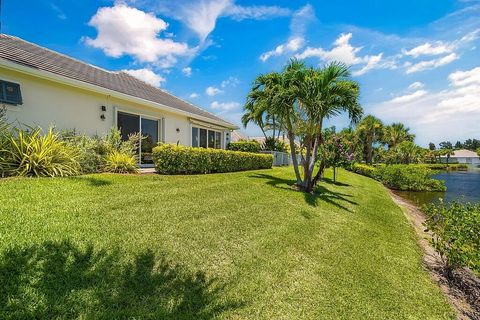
463	156
40	87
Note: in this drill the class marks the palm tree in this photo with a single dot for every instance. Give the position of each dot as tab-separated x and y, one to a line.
302	98
396	133
369	131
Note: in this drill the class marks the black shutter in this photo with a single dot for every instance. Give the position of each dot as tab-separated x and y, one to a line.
10	93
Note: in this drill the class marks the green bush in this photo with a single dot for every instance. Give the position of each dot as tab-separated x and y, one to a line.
120	162
244	146
455	234
443	166
28	153
364	170
172	159
409	178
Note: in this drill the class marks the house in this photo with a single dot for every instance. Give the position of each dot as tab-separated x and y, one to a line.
463	156
41	87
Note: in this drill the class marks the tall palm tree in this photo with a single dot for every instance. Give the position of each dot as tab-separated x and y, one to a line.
369	131
396	133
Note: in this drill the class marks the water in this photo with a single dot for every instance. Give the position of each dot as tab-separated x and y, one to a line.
462	186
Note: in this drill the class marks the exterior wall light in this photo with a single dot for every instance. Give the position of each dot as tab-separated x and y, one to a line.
102	117
104	108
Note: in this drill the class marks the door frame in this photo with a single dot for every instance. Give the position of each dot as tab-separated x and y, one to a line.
160	121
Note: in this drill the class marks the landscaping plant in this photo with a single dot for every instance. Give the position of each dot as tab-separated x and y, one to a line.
120	162
173	159
29	153
455	234
244	146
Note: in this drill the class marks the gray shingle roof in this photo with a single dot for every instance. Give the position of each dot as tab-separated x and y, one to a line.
28	54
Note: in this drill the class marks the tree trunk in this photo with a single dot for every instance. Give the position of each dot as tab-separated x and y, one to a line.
334	174
293	154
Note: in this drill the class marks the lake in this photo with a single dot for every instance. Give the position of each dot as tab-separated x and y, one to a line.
463	186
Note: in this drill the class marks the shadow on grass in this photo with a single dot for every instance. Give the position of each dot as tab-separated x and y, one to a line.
337	183
94	181
320	193
61	280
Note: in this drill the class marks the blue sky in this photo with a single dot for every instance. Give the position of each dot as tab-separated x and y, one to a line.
417	61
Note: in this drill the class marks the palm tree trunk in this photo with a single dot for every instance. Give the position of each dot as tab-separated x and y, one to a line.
293	154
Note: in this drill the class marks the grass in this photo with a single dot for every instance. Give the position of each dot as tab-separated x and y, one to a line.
227	246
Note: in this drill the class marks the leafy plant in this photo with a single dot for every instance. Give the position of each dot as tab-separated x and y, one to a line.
409	177
273	144
455	234
335	152
120	162
244	146
173	159
28	153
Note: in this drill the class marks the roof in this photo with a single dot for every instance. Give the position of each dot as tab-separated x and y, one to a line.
31	55
464	154
237	136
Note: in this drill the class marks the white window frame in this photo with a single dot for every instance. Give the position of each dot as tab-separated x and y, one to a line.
198	136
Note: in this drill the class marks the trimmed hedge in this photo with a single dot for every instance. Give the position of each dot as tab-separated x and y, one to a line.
244	146
364	170
173	159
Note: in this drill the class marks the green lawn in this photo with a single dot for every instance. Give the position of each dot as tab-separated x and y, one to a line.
229	246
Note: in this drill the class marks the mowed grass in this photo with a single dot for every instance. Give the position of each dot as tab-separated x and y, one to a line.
227	246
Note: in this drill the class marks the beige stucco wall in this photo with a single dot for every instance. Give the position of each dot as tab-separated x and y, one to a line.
47	103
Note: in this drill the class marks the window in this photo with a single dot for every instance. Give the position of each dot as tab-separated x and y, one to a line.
194	137
211	139
218	140
10	93
205	138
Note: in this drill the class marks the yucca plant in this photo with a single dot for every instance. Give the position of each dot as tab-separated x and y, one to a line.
120	162
28	153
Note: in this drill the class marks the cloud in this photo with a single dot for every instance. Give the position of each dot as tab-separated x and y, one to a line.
201	16
230	82
298	25
431	64
224	106
193	95
60	14
147	76
452	113
292	45
416	85
123	30
187	71
428	48
344	52
212	91
409	97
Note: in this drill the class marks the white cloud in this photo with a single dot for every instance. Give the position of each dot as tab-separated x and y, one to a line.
212	91
409	97
300	19
463	78
224	106
147	76
416	85
292	45
344	52
187	71
452	113
60	14
194	95
201	16
230	82
431	49
123	30
431	64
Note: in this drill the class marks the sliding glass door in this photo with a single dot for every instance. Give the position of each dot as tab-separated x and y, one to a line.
149	129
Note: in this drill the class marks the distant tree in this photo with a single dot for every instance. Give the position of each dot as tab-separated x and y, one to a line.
445	145
369	132
471	144
448	153
458	145
478	151
396	133
432	146
405	152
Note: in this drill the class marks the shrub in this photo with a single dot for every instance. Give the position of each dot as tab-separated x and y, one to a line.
120	162
90	161
172	159
28	153
443	166
364	170
455	234
244	146
409	178
273	144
